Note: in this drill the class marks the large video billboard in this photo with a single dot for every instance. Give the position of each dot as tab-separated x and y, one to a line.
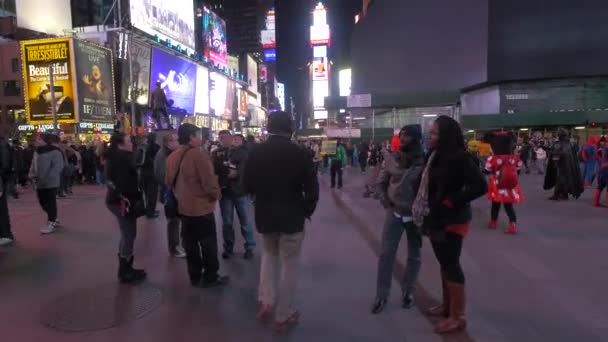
214	38
170	20
141	53
201	101
222	96
50	17
252	74
95	83
177	77
38	57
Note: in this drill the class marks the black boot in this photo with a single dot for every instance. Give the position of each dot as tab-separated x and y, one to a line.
408	300
378	306
127	274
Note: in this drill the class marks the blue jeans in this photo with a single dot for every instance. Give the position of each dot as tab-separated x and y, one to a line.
391	236
227	205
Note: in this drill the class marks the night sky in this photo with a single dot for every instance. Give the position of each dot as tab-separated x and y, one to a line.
293	47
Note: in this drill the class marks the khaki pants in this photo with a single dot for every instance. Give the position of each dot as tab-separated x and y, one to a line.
280	253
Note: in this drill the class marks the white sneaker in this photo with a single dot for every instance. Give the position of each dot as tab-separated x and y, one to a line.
49	229
5	241
179	252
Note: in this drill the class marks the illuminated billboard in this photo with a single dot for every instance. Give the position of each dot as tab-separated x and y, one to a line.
54	18
252	74
281	94
214	38
38	57
177	77
319	51
270	55
268	35
319	31
7	8
172	21
222	96
345	81
320	90
201	99
95	82
320	70
141	53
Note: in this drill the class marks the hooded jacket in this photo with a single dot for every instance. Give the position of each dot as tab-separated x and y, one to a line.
47	166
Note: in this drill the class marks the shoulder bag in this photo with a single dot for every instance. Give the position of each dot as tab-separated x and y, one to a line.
171	204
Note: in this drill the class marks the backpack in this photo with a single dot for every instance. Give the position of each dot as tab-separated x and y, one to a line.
507	176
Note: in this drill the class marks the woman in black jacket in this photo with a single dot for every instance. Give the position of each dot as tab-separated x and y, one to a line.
122	199
450	182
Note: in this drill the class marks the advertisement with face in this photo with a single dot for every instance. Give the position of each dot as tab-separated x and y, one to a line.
94	77
170	20
141	53
201	101
252	74
38	57
177	78
214	38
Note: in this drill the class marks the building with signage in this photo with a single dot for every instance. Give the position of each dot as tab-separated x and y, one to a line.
320	42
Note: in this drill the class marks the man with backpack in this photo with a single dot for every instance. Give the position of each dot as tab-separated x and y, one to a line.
503	168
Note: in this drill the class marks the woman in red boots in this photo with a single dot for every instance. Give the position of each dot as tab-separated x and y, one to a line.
503	188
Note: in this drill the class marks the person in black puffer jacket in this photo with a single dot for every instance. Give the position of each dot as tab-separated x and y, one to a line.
450	181
123	185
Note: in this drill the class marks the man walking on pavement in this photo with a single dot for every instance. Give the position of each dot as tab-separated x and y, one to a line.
338	161
281	178
229	162
190	175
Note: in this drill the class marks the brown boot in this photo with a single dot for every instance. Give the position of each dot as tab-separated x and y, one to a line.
442	309
457	320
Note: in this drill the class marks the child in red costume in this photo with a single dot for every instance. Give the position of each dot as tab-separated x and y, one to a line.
503	189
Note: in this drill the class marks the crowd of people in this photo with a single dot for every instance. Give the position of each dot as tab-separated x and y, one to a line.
426	192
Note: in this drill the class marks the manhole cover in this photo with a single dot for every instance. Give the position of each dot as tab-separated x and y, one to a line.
101	307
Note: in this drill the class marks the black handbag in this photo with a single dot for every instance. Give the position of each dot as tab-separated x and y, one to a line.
171	203
130	208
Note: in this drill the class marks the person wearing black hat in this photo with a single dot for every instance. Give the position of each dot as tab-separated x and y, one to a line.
563	170
397	186
281	178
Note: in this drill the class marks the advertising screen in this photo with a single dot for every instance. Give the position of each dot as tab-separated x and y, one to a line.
270	55
46	17
243	103
319	69
345	81
141	54
177	77
7	8
95	82
201	101
252	74
38	57
281	94
233	63
170	20
222	96
320	90
269	40
320	51
214	38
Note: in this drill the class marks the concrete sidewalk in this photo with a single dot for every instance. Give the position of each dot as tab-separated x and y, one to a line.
544	284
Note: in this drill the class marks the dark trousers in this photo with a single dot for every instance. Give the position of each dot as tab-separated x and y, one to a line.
159	114
363	163
5	222
447	251
336	169
508	208
151	192
48	201
200	242
128	231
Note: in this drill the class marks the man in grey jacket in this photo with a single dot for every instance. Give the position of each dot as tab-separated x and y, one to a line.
46	172
397	187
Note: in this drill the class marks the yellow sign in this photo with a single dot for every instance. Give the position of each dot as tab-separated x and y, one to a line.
39	58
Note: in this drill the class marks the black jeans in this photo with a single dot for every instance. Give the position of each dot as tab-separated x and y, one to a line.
508	208
5	221
156	113
200	242
48	201
336	169
363	163
447	252
151	193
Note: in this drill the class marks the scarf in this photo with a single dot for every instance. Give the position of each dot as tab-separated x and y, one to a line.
420	208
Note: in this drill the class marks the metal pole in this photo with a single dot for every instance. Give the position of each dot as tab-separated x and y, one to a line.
373	124
132	92
53	100
119	8
394	118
